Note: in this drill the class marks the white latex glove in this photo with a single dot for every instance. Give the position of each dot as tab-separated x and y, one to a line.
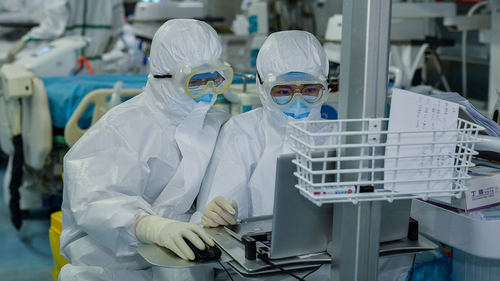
16	48
170	234
220	212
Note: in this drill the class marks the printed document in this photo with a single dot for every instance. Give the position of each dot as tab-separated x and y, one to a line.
413	113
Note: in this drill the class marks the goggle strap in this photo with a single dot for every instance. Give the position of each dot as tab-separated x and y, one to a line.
260	79
163	76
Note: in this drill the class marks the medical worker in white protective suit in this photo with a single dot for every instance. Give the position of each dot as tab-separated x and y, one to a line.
100	20
292	69
133	177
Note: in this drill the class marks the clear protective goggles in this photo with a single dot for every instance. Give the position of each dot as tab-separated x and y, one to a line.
195	79
284	89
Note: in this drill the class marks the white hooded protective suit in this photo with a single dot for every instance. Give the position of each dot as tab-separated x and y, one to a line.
147	155
101	20
243	166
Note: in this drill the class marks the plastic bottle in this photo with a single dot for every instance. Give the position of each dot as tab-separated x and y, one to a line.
116	97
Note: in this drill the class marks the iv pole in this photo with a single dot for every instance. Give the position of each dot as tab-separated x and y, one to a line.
363	90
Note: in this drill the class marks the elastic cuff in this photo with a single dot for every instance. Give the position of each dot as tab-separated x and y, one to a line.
135	226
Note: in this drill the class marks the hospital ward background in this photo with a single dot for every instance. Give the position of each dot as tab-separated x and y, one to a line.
55	85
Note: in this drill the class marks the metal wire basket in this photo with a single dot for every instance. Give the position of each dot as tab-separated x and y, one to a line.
359	160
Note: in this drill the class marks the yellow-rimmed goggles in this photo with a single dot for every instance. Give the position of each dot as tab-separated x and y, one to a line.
285	88
195	79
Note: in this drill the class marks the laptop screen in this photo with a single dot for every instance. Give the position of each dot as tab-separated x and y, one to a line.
299	226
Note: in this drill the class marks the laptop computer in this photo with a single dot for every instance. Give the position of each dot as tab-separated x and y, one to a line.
295	221
299	227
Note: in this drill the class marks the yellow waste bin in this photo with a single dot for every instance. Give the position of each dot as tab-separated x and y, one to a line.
54	233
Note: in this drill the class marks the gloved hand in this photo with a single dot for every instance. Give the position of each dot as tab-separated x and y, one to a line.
220	212
16	48
171	233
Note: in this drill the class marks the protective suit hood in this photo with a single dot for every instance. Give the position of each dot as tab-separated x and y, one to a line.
303	53
179	41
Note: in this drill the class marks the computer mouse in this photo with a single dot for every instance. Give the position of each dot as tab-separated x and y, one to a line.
209	254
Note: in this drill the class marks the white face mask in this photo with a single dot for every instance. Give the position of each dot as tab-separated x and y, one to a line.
206	97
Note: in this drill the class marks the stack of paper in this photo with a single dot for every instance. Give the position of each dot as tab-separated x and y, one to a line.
413	113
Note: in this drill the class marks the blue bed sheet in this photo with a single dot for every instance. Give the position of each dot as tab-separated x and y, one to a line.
65	93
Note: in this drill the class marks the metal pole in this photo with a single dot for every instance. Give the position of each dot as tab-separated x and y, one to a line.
363	90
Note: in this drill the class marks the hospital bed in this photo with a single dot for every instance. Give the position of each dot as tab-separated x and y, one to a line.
98	100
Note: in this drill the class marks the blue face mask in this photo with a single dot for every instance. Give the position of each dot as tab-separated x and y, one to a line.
206	97
297	109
